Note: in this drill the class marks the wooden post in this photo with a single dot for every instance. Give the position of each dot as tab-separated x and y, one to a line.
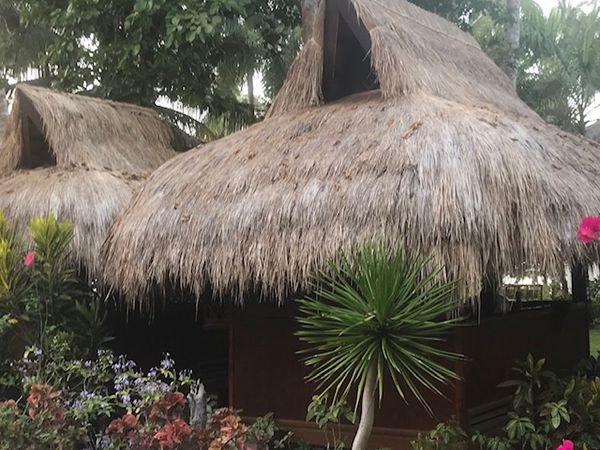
579	278
488	297
3	112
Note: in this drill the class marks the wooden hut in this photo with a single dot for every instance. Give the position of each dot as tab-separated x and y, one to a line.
78	157
392	126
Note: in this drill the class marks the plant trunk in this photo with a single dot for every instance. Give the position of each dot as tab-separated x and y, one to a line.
367	413
513	37
251	101
3	112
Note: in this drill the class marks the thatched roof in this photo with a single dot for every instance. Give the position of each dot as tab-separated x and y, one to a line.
78	157
444	157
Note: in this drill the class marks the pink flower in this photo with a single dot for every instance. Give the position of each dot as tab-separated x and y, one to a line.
566	445
29	258
589	229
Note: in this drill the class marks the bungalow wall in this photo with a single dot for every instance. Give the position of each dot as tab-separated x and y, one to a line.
265	374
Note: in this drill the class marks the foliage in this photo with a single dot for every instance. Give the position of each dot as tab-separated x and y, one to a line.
464	13
328	417
559	59
377	314
197	53
108	402
41	295
564	49
446	436
42	301
42	423
21	47
546	410
594	296
377	306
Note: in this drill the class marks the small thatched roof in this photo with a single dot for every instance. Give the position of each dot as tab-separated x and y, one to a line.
78	157
440	154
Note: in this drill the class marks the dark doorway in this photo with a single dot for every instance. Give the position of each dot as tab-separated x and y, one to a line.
37	152
196	341
347	67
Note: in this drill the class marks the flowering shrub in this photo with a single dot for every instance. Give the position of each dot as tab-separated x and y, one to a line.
41	295
107	402
566	445
42	422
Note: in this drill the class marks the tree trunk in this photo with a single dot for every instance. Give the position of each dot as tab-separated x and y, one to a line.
367	405
3	113
513	37
251	100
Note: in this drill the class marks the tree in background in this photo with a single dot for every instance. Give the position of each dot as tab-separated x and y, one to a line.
21	46
560	70
199	53
196	53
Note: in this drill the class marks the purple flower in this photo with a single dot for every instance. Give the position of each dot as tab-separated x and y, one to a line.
167	362
126	399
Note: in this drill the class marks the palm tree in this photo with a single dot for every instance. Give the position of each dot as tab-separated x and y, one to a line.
513	37
376	312
3	112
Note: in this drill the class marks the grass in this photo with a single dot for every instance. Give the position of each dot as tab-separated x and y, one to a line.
594	340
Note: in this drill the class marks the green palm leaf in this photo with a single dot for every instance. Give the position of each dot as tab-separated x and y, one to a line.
382	308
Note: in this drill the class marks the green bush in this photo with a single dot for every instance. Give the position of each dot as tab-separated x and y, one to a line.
108	403
545	410
42	296
594	297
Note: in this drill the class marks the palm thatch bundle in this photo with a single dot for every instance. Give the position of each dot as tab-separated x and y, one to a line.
79	158
443	157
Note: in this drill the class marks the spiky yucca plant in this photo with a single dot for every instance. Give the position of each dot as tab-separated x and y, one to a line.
376	312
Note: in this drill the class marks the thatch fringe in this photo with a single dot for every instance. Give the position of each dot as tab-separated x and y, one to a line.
262	209
445	158
90	199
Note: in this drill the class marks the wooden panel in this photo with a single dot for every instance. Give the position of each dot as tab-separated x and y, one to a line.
268	376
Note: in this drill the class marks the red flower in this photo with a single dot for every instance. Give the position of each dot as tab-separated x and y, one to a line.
566	445
29	258
44	397
125	426
173	434
168	408
589	229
